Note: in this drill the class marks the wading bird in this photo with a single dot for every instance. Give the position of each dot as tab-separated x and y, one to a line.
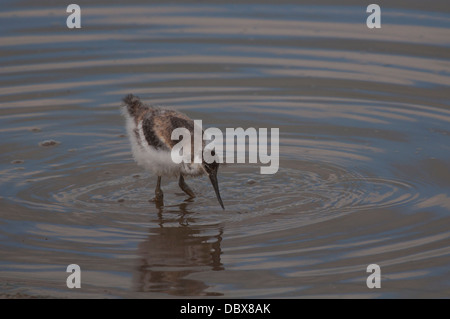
150	129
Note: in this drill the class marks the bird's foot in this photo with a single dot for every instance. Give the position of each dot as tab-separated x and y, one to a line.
158	199
190	193
185	187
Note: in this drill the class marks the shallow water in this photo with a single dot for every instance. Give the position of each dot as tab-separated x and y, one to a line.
364	119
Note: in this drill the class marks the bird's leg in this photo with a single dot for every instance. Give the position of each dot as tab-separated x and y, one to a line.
159	196
185	187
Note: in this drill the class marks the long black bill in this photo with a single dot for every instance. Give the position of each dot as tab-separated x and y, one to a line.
213	179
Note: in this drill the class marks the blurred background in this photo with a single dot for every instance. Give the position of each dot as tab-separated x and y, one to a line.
364	172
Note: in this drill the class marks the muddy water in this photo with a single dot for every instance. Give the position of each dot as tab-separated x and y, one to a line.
364	174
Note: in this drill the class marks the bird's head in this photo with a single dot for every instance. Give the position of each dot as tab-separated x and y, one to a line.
211	170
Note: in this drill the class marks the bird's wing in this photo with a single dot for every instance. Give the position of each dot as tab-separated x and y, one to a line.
158	128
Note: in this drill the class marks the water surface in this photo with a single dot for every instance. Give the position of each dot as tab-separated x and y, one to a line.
364	119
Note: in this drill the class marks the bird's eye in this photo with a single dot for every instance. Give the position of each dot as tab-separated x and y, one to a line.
213	153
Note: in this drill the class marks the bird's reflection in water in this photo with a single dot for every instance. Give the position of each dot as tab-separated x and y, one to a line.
177	248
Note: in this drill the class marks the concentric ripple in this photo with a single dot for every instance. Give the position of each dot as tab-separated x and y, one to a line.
292	197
